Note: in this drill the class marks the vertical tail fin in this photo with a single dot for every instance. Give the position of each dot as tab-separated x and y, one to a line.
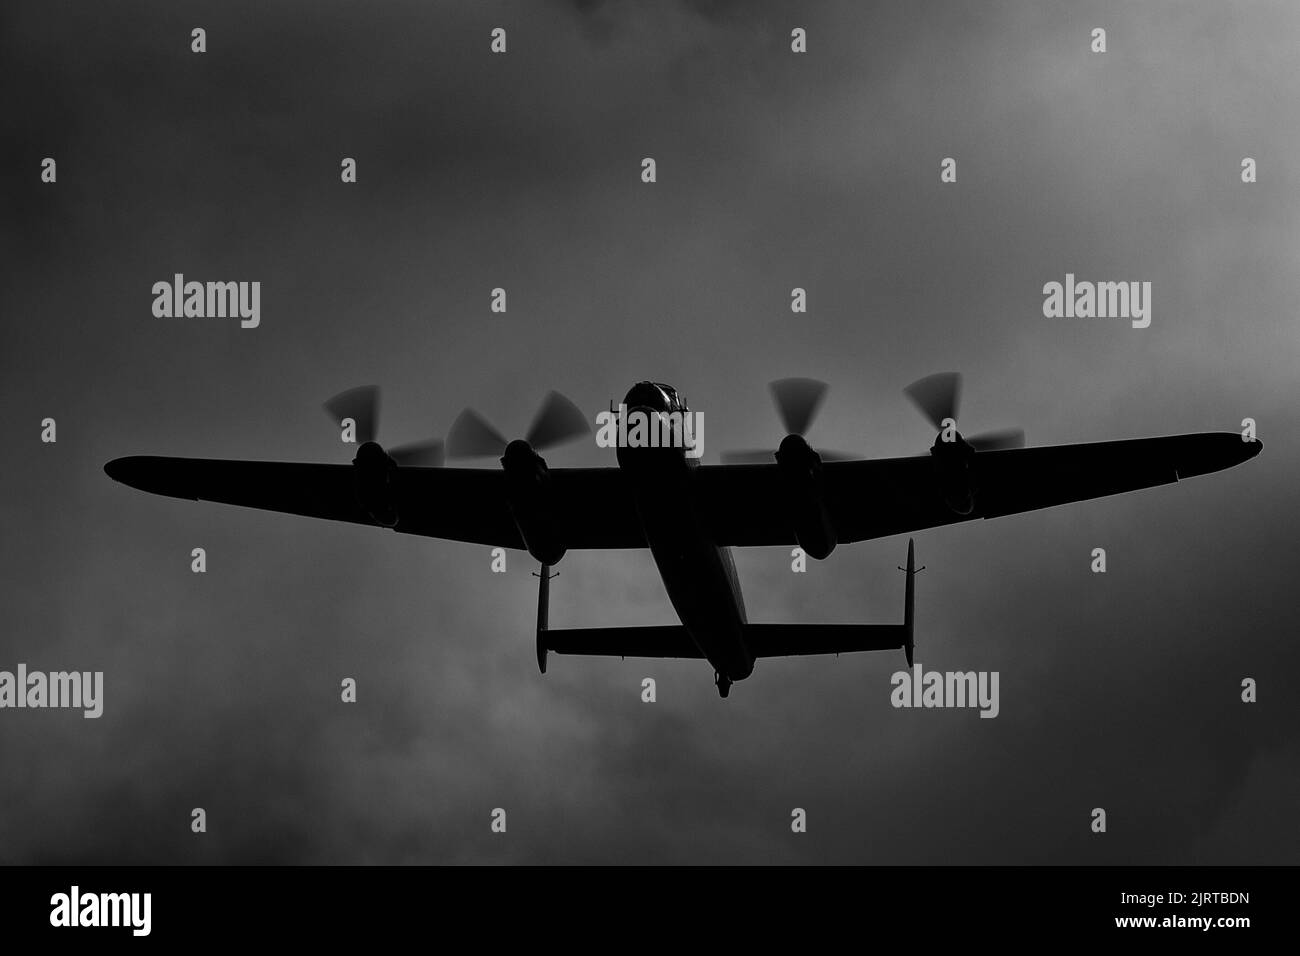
543	604
909	602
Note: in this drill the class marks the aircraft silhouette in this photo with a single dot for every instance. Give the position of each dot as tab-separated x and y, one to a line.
689	515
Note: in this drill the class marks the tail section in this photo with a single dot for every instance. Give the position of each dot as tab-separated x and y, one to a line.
789	640
763	640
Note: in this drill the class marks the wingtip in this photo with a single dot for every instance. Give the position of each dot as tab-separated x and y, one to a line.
1208	452
1244	449
132	471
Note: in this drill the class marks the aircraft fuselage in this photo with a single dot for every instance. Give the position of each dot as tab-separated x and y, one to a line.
699	576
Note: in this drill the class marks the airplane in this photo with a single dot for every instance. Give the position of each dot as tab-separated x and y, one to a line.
689	515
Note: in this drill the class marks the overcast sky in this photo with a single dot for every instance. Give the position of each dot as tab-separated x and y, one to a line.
775	170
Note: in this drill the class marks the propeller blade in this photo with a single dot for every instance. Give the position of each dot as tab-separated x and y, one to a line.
994	441
556	422
472	437
362	406
937	396
749	457
797	401
423	454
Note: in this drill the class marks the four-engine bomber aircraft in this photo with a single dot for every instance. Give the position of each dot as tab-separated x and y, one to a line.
689	515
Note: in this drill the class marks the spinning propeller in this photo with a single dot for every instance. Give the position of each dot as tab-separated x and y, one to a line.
556	422
938	395
362	406
797	401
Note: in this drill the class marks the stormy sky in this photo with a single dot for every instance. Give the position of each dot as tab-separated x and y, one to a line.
775	170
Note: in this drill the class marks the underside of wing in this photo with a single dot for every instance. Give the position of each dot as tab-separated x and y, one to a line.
457	504
746	505
739	505
315	491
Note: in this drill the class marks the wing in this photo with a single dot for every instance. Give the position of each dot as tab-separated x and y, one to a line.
742	505
874	499
459	504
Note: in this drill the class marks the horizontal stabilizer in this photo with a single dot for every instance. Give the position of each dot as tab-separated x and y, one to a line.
790	640
668	640
764	640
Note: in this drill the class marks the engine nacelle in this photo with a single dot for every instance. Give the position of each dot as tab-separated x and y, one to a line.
528	493
801	477
955	473
374	473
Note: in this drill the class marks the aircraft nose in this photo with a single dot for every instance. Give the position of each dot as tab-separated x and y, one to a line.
647	396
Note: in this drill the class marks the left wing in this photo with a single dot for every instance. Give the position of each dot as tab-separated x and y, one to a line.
458	504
